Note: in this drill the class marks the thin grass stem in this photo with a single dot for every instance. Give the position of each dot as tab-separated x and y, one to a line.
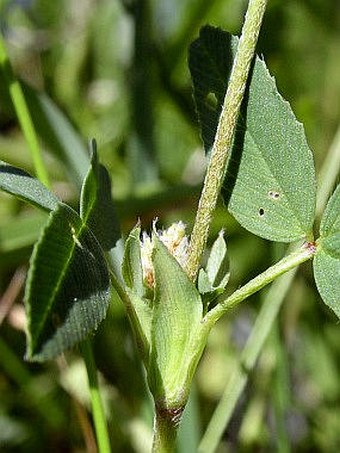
97	404
23	114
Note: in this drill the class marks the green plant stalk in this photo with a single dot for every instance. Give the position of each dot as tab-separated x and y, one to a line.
238	379
287	263
23	115
165	433
97	405
224	134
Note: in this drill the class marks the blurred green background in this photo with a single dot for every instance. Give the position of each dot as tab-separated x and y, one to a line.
117	71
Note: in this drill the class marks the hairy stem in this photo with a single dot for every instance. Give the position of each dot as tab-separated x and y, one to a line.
165	431
224	134
287	263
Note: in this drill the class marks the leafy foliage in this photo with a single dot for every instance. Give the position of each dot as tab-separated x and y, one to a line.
56	130
64	307
210	62
327	259
67	293
270	180
96	205
132	267
139	309
214	278
177	314
330	225
21	184
87	79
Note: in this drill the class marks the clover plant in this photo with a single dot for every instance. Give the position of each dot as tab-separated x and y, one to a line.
260	162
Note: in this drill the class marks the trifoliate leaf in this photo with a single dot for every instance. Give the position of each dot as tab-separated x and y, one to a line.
327	258
270	178
21	184
177	315
67	293
96	204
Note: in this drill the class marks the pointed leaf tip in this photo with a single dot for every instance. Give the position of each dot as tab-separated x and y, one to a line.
96	203
25	187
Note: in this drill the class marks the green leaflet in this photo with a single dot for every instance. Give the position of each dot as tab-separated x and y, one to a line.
177	314
327	258
140	315
218	263
330	225
214	278
21	184
67	292
270	180
132	267
139	309
96	204
327	277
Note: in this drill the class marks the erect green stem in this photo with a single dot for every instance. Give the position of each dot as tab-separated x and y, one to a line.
165	431
23	114
97	405
287	263
224	134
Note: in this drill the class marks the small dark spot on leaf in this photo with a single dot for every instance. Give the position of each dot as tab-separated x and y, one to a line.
211	100
261	212
273	194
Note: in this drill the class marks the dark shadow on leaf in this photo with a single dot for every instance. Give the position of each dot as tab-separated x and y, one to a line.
235	157
10	170
210	63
